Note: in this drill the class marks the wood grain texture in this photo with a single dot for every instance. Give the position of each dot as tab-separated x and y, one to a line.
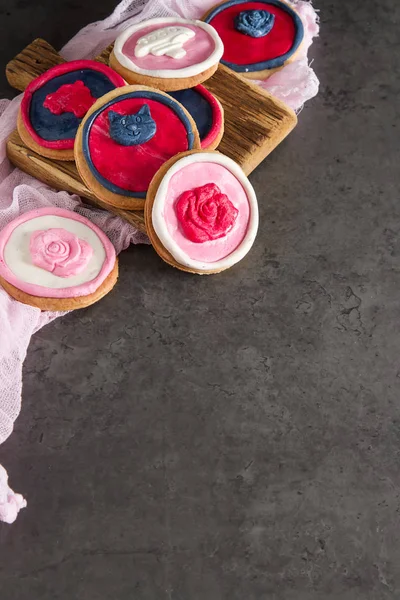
35	59
255	123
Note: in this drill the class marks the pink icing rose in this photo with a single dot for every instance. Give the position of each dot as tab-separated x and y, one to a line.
205	213
60	252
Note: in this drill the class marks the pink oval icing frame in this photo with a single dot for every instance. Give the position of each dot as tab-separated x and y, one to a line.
37	290
37	83
198	49
197	175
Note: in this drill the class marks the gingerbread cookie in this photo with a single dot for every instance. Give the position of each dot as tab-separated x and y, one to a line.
167	53
54	104
259	37
55	259
201	212
126	137
207	112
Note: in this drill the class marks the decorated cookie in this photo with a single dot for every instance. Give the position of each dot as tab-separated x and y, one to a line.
201	212
54	259
167	53
126	137
207	113
55	103
259	37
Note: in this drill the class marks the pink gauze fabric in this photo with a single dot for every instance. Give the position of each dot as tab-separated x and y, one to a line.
294	84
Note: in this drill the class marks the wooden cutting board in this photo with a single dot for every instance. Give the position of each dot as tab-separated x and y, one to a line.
255	123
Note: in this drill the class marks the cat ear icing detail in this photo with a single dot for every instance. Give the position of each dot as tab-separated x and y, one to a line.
144	111
113	116
132	130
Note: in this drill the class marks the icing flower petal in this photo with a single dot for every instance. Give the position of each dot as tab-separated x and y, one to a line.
255	23
60	252
205	213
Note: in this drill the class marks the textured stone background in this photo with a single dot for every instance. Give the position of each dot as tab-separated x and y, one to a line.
232	437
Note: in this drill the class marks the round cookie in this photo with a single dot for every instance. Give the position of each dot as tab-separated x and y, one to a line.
207	113
259	36
54	104
167	53
125	138
55	259
201	212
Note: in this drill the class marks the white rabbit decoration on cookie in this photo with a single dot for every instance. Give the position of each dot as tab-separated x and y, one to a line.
167	41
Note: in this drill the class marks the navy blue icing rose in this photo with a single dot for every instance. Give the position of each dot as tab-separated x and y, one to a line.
255	23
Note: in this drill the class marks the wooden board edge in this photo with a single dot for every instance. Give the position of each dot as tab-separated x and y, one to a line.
29	56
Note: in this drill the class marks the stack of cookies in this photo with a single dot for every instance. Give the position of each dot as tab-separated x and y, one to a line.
143	132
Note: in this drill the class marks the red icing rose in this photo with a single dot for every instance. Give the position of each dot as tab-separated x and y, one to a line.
205	213
71	97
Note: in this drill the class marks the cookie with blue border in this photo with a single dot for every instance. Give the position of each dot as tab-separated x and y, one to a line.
55	103
126	137
207	113
259	37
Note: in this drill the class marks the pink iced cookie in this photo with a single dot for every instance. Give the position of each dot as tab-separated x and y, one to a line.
171	53
202	212
56	257
60	252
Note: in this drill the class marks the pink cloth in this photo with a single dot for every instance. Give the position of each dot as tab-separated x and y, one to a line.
295	84
20	193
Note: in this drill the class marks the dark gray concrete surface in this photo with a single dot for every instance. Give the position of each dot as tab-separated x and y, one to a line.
234	437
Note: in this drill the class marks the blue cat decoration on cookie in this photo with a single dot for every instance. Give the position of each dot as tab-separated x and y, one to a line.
255	23
132	130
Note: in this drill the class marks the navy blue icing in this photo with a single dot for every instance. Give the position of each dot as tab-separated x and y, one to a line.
266	64
198	107
132	130
255	23
53	127
170	102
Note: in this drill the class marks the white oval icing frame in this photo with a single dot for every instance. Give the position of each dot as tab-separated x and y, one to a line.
18	269
168	241
190	71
